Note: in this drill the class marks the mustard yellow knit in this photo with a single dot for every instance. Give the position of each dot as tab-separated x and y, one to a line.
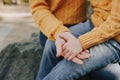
52	16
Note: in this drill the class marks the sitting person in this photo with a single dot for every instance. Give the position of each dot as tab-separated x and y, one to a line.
76	46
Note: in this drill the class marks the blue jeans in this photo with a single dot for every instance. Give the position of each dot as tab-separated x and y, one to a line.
42	39
53	68
111	72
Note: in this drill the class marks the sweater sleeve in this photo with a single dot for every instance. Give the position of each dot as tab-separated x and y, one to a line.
46	21
109	29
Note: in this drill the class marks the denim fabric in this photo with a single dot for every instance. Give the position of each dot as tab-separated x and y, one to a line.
42	39
53	68
111	72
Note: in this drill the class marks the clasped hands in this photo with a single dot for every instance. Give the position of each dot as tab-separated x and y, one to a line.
70	48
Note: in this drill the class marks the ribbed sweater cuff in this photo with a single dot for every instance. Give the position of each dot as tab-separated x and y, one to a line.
89	39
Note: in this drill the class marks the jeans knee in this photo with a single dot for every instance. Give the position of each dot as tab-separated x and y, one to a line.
60	76
49	44
105	50
50	48
63	71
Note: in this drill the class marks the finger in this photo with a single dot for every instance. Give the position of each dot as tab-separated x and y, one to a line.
87	51
87	55
64	52
59	52
78	61
64	47
72	56
59	49
67	55
64	36
81	56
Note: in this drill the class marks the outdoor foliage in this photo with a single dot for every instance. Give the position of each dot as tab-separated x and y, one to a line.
25	1
7	2
10	2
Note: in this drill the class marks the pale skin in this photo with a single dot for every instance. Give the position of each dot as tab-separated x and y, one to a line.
70	48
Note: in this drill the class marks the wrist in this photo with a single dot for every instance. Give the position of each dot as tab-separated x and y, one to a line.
80	45
58	35
68	35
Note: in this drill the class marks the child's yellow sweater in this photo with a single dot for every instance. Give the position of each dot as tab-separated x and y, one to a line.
53	15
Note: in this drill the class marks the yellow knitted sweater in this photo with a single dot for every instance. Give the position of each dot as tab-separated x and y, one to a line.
53	15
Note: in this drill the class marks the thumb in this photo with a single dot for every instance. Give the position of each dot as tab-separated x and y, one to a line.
65	35
59	51
59	48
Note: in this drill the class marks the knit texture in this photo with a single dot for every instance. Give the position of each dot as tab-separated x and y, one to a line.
52	16
106	19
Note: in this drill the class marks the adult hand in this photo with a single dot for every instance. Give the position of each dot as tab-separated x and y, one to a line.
59	44
80	57
72	47
60	41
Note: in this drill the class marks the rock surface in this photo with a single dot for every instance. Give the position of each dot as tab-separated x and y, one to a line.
20	61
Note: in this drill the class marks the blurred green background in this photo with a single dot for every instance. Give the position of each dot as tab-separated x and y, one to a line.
14	2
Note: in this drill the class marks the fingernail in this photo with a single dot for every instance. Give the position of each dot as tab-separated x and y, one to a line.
87	50
81	63
87	56
57	55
